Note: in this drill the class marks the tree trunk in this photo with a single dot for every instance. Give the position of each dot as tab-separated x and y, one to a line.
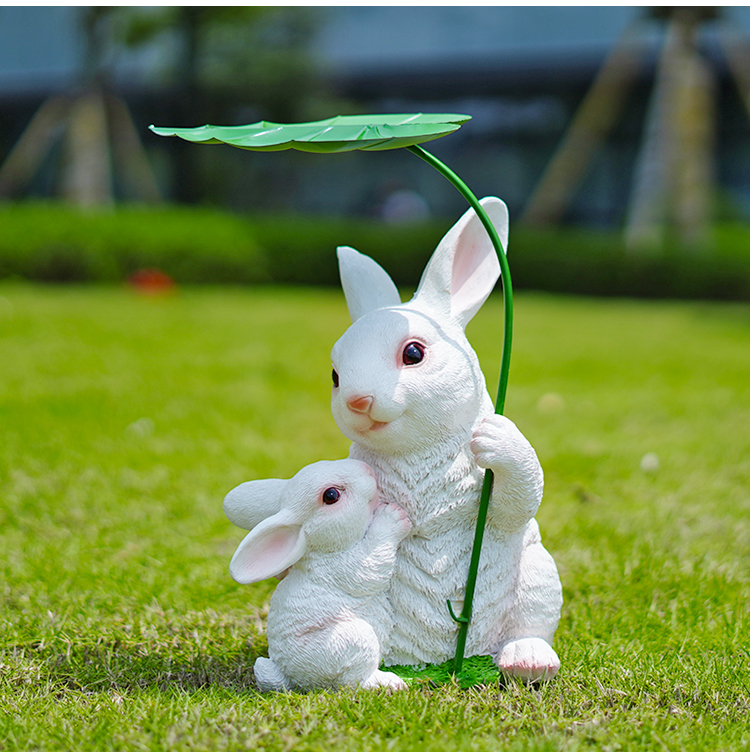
87	178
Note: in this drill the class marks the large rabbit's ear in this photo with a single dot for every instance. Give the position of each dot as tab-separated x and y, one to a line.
252	502
367	286
273	546
464	268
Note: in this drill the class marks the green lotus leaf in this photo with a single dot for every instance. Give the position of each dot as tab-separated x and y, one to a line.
343	133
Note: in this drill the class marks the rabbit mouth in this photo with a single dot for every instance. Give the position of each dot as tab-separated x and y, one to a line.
366	427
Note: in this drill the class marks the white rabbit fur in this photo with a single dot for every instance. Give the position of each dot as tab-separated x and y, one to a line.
428	430
328	616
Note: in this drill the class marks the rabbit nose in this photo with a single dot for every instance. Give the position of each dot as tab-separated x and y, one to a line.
361	404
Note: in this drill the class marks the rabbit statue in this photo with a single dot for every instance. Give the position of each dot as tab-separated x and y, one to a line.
328	616
409	393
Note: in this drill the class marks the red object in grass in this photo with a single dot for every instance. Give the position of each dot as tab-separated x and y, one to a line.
151	281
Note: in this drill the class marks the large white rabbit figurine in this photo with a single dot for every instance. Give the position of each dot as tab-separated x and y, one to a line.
328	616
409	393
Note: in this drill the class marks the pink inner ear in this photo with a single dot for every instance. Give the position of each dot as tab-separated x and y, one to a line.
277	547
473	266
261	557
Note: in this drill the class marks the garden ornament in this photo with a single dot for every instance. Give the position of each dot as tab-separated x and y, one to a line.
409	393
335	542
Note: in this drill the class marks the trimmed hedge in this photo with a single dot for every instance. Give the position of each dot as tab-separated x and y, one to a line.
52	242
303	249
55	243
597	263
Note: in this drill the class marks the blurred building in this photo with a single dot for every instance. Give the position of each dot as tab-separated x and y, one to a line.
520	71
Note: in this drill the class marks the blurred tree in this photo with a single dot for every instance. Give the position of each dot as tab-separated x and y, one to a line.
674	180
251	60
96	130
254	54
212	62
674	176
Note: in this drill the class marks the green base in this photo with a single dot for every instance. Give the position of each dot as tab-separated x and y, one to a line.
475	671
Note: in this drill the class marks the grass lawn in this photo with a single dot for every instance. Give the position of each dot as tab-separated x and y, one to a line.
126	419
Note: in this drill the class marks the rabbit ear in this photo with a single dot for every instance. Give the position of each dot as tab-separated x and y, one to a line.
252	502
273	546
464	268
367	286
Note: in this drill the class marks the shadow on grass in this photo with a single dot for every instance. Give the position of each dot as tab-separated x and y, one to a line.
115	665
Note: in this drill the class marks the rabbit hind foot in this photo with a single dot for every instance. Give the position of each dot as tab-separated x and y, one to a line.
383	679
269	677
530	659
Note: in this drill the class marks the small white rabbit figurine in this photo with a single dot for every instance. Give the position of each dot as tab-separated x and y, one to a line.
328	616
408	391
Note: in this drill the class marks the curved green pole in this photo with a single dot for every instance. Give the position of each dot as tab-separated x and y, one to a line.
465	616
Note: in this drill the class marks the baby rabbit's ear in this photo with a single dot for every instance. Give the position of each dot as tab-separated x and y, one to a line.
273	546
251	502
367	286
464	268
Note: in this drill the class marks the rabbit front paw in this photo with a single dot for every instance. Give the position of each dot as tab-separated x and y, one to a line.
392	520
497	444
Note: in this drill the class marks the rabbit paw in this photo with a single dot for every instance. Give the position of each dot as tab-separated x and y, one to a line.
384	679
392	519
531	659
497	444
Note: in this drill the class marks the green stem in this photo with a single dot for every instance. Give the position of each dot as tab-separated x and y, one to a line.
465	617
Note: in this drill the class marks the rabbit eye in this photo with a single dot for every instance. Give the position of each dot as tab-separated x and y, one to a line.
331	496
335	376
413	353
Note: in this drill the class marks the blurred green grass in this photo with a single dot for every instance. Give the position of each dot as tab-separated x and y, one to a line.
126	418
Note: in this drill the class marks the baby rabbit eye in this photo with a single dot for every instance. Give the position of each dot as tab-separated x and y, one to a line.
335	376
331	495
413	353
